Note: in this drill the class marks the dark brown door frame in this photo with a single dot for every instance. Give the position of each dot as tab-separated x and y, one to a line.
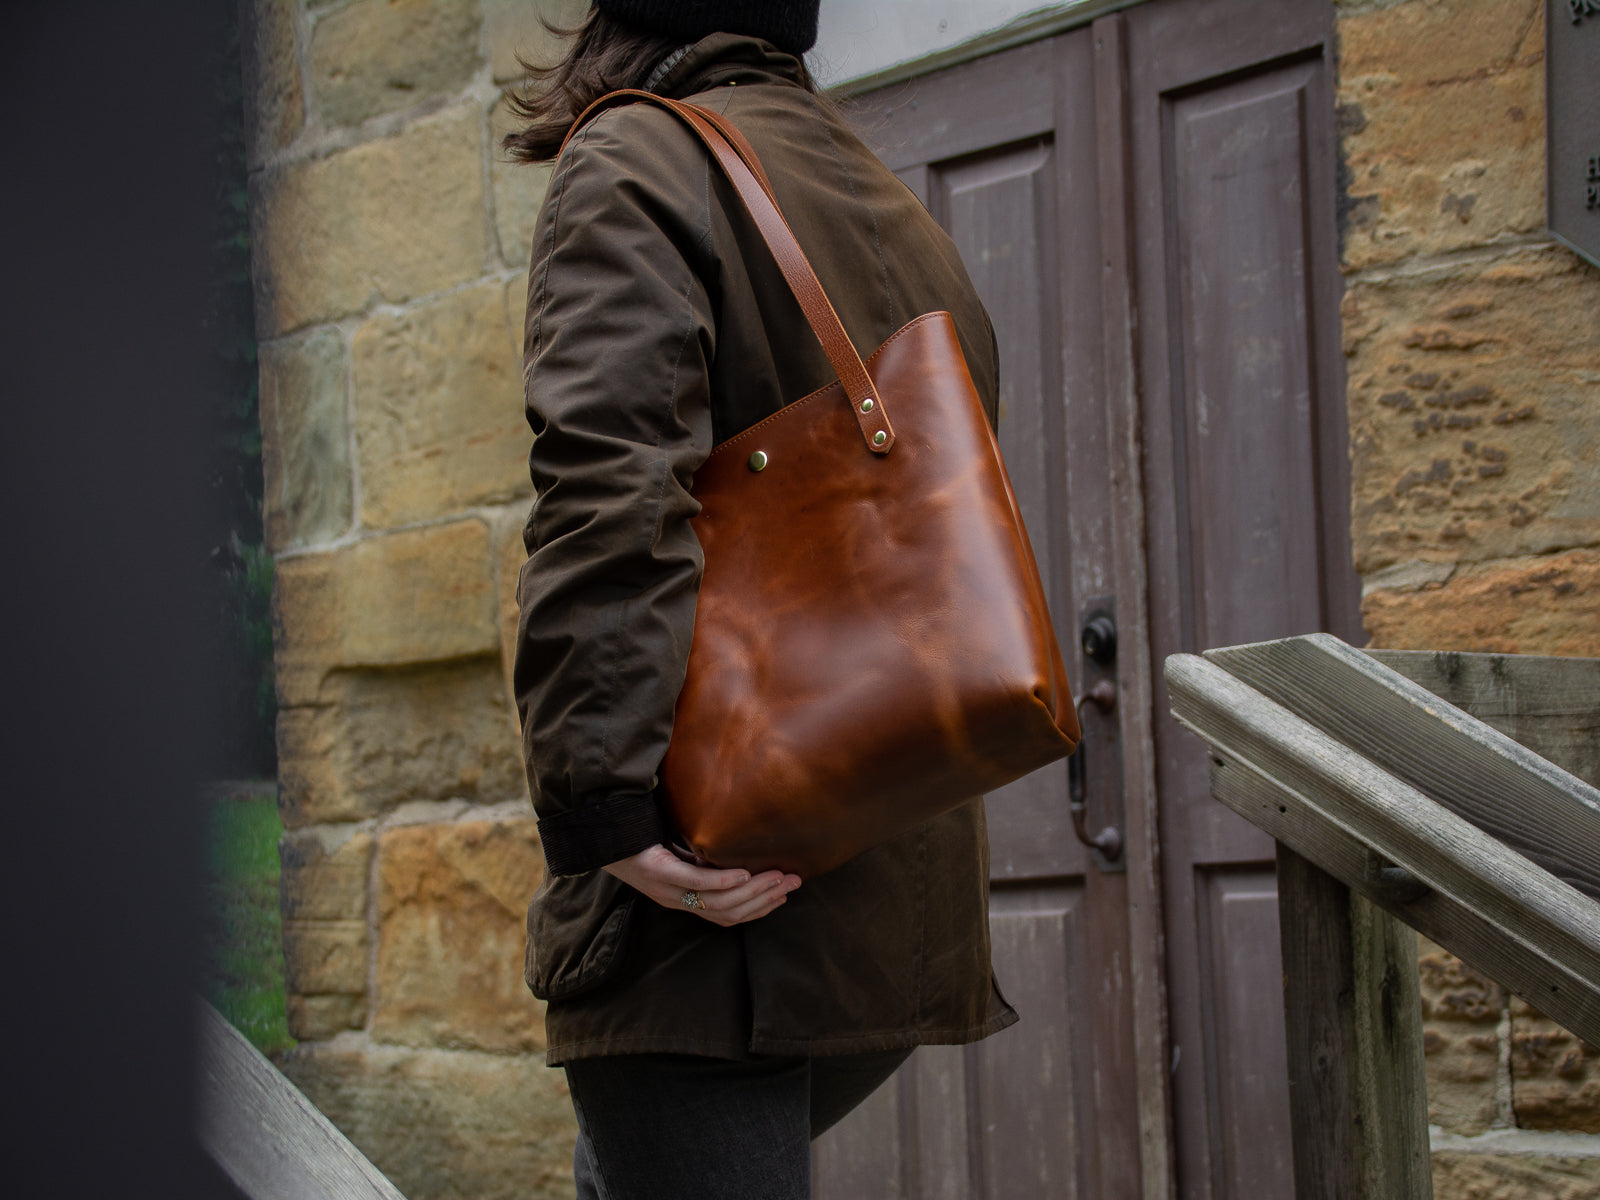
1147	940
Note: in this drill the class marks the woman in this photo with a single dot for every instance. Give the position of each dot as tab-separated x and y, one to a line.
711	1021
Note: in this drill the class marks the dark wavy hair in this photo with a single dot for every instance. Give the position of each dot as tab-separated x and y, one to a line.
603	55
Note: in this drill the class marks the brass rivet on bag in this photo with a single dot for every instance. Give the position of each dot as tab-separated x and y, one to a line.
866	405
758	460
879	438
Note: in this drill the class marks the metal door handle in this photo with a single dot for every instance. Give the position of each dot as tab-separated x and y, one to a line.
1109	840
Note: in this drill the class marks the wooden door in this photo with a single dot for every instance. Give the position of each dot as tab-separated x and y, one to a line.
1146	206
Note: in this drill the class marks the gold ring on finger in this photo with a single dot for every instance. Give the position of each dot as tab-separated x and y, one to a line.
692	900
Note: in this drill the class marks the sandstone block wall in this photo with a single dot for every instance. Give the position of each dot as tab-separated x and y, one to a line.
1473	358
391	242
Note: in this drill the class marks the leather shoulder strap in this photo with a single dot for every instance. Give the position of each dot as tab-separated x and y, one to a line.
743	169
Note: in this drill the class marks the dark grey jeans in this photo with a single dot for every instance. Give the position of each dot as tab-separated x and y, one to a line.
679	1127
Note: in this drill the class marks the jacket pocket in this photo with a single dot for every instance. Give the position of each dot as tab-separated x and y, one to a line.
577	925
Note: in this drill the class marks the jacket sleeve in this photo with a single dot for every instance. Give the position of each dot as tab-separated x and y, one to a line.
620	334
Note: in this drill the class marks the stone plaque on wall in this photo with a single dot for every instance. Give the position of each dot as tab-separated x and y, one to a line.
1572	90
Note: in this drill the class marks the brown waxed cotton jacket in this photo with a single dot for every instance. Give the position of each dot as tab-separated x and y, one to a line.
658	325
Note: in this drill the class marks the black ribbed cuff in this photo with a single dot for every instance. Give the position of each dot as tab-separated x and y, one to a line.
602	831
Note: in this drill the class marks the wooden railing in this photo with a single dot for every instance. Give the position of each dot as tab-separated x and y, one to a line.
265	1135
1395	806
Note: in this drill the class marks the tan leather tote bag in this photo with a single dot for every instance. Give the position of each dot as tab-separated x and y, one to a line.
871	643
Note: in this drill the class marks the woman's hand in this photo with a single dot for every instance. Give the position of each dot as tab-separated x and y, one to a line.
726	897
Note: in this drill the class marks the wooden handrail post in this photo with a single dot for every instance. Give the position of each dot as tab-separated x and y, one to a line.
1391	805
1353	1022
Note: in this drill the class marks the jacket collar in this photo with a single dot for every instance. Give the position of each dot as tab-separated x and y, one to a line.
723	58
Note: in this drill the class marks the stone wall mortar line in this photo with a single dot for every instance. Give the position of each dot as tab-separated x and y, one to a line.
345	830
352	442
495	250
348	1040
328	7
360	533
466	1052
485	46
1505	67
1517	1142
345	1039
339	325
453	811
511	508
1502	247
1505	1111
506	509
373	882
305	22
1463	568
1375	581
348	323
482	512
344	327
1482	73
317	141
1535	15
312	130
1356	8
1399	576
386	308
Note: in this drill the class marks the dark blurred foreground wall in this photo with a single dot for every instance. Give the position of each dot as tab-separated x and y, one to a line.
104	216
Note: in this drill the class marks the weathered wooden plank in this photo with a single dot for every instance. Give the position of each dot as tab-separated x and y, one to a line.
1504	789
1537	935
1357	1090
1505	956
1391	1081
1318	991
265	1135
1549	705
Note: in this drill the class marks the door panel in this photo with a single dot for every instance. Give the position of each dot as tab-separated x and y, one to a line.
865	1155
946	1132
1174	163
1035	1135
1003	1118
1237	155
1249	1142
